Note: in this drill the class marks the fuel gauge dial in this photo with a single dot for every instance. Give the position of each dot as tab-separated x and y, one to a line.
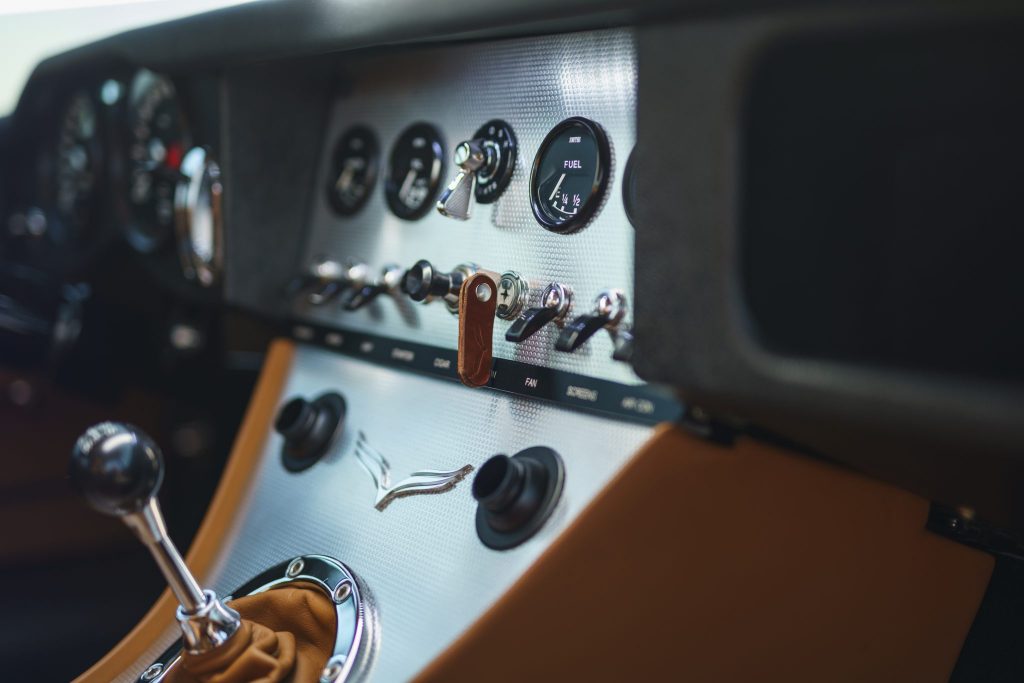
414	171
570	175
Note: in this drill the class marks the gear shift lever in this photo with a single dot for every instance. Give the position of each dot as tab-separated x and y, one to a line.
119	470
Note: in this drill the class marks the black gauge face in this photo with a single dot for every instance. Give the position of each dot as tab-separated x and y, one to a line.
500	147
158	140
77	170
353	170
570	175
629	188
414	171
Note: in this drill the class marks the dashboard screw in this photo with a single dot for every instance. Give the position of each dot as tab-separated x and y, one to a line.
295	568
152	672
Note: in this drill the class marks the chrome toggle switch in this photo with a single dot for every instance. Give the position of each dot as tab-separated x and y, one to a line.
485	165
609	311
457	199
326	280
389	282
556	299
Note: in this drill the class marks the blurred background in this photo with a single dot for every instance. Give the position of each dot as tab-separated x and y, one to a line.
31	30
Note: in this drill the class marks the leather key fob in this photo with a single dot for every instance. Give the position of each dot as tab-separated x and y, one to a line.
478	299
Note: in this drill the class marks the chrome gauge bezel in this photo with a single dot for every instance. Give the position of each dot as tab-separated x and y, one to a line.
595	201
198	202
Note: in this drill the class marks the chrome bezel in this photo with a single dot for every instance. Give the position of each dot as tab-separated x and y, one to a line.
599	187
357	634
201	181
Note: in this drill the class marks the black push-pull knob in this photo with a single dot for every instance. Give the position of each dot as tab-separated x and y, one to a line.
555	302
516	495
309	428
390	280
609	310
423	281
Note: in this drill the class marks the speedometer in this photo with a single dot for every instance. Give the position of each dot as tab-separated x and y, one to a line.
158	139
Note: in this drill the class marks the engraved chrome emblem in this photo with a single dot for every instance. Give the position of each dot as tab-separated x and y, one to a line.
424	481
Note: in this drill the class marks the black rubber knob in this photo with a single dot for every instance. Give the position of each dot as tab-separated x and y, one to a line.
423	281
516	495
117	467
309	428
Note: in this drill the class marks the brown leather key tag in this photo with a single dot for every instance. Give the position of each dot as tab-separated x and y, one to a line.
477	300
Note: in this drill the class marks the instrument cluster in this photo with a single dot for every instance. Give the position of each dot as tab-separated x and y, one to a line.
111	161
568	182
569	176
503	161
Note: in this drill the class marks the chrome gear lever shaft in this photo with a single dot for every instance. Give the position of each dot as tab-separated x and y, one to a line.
119	470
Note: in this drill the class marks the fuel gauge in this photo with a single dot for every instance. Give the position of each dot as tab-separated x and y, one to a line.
570	175
414	171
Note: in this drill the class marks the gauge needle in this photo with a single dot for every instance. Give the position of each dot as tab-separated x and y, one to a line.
407	184
345	179
555	191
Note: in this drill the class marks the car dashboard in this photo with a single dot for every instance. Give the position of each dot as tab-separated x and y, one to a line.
493	254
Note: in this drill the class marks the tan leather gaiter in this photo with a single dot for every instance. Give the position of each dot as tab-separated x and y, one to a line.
286	636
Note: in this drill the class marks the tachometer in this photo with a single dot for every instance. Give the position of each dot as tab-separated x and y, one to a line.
158	139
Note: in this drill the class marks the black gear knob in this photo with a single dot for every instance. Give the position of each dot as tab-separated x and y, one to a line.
117	467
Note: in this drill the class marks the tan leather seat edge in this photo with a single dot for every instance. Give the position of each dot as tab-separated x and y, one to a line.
747	563
232	488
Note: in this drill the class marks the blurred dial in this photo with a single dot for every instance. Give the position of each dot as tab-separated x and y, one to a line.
158	138
77	170
354	170
414	171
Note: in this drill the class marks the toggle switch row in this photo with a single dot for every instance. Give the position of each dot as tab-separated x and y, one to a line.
354	288
351	284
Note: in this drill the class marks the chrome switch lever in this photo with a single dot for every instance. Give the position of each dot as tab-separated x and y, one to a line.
486	163
327	279
457	199
119	471
556	299
389	282
609	311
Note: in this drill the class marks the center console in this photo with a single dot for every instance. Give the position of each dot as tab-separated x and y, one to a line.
451	180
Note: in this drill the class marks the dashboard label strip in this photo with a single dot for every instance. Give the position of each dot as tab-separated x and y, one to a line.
644	403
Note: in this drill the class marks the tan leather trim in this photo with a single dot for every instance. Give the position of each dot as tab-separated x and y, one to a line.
234	484
747	563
